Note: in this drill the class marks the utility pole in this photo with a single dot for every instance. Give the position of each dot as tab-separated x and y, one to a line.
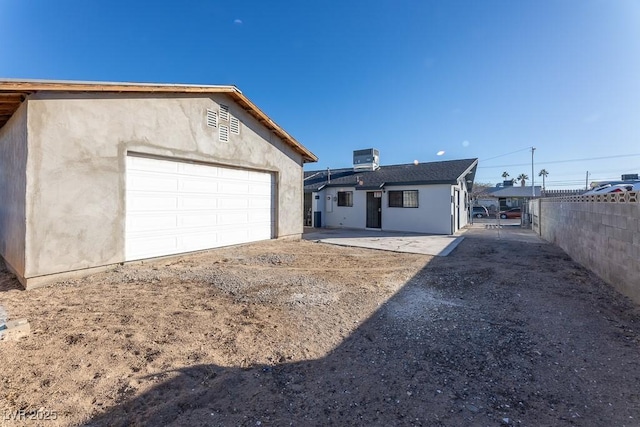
533	187
586	182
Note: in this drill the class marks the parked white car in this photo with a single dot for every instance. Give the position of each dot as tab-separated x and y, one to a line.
614	188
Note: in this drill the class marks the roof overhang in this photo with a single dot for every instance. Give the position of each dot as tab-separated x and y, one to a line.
469	174
14	92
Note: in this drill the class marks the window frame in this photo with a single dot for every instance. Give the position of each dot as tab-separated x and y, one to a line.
405	200
348	203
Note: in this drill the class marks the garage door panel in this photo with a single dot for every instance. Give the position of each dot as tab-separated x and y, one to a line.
175	207
152	222
199	241
231	188
151	182
233	217
233	174
151	165
156	202
226	238
233	203
259	235
257	189
207	185
198	170
260	203
145	246
198	220
197	202
259	217
260	177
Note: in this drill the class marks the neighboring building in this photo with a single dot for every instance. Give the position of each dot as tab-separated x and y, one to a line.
425	198
511	196
507	196
94	174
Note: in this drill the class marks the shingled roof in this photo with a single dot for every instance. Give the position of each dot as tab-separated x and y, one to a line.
447	172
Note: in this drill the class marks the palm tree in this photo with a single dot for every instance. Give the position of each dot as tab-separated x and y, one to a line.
505	174
543	173
522	178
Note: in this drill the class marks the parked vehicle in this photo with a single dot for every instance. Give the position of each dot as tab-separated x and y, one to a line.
511	213
615	187
480	212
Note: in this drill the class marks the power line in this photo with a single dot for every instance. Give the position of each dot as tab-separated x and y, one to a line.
502	155
560	161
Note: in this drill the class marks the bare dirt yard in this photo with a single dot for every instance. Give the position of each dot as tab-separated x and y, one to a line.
500	332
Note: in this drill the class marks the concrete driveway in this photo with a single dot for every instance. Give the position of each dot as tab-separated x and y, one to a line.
425	244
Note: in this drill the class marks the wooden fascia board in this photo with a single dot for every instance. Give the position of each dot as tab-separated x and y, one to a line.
259	115
469	169
236	94
14	86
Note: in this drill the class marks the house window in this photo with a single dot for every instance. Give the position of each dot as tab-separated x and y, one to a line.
345	198
403	199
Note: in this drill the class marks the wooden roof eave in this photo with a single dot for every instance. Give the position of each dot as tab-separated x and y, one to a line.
21	89
266	121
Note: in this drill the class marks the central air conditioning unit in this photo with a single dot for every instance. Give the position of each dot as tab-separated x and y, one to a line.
366	160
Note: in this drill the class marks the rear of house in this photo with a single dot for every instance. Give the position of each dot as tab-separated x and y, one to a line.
423	198
97	174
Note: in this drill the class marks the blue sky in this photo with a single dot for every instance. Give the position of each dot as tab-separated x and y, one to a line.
484	79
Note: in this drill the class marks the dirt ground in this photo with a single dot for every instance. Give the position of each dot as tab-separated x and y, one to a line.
500	332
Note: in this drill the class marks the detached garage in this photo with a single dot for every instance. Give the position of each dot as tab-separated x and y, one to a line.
94	174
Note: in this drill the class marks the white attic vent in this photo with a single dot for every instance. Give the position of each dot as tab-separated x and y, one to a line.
235	125
212	118
224	133
224	112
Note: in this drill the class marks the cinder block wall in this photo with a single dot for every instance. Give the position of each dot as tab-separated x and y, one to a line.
600	232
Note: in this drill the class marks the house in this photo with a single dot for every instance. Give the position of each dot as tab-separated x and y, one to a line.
511	196
94	174
419	197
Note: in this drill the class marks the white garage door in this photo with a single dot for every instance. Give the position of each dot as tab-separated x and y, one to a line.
175	207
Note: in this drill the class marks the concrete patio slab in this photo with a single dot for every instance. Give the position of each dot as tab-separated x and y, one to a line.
425	244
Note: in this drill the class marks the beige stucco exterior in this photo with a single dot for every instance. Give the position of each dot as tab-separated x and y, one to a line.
74	147
13	182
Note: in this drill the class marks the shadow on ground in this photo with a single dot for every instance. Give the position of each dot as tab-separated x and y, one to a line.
501	332
8	281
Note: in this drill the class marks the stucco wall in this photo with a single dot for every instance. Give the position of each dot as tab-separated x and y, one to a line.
78	146
601	233
343	216
13	181
433	214
461	206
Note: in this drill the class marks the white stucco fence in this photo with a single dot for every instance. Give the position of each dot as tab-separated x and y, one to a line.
600	232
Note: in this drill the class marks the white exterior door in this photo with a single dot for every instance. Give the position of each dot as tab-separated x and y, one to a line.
174	207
